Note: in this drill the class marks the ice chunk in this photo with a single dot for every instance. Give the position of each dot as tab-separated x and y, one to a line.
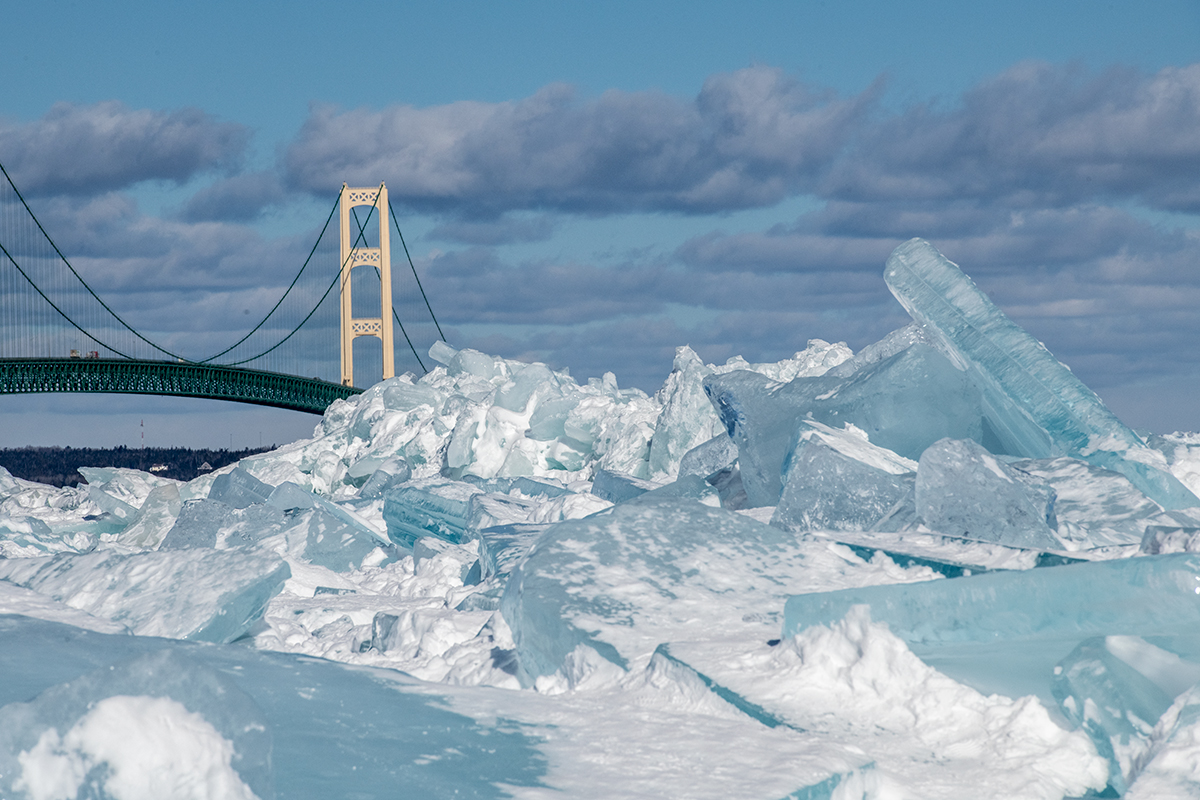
213	524
709	457
392	472
617	487
1160	539
687	418
334	731
837	480
330	542
1035	406
238	488
1005	631
205	595
19	600
1097	507
27	537
158	725
963	490
412	512
1116	689
626	579
1140	596
1172	767
903	403
154	519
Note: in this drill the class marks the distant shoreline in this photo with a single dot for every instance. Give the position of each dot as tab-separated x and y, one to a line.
59	466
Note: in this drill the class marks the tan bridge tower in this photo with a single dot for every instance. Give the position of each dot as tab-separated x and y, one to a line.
381	259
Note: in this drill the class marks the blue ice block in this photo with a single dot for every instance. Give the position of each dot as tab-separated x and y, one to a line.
904	403
1035	406
835	480
963	490
1116	688
1136	596
239	489
411	513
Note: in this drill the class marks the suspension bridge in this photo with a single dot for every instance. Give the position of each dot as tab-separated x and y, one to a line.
330	329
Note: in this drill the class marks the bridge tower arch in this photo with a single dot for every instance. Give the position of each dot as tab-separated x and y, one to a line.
378	257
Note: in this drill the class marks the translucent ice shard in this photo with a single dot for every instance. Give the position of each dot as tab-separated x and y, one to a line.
1116	689
1034	405
626	579
963	490
837	480
1005	631
1172	767
238	488
154	519
412	512
687	418
904	403
617	487
213	524
202	594
704	459
1138	596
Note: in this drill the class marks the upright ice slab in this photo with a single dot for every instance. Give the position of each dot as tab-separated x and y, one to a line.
1034	405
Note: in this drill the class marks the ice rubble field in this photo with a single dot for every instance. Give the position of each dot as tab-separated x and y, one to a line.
938	568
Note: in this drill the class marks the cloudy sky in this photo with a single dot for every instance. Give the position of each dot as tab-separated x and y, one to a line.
592	185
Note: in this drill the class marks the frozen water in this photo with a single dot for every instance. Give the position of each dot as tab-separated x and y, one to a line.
837	480
154	520
624	580
963	490
1153	595
1096	507
1104	689
1035	406
1172	766
312	728
616	487
213	524
687	418
709	457
158	725
412	512
903	403
1005	631
630	623
238	488
201	594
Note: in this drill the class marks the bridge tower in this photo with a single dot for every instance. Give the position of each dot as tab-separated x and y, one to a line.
377	257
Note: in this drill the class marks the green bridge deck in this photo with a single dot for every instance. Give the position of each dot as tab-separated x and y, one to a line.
181	379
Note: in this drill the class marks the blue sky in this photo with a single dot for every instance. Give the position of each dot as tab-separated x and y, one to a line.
594	184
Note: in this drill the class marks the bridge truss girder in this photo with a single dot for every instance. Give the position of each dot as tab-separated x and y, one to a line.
214	382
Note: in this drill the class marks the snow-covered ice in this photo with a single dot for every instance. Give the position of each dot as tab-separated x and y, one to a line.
937	568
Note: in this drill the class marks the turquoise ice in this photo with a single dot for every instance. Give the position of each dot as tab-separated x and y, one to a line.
1033	404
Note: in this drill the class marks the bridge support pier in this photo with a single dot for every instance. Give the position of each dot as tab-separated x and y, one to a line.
381	259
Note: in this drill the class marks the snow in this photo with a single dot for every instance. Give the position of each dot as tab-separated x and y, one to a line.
905	573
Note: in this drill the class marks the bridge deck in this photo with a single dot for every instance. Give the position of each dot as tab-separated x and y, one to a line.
124	376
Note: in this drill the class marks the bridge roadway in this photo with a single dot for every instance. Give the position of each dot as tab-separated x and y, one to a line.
181	379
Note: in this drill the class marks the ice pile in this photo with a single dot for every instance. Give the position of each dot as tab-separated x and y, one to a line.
937	568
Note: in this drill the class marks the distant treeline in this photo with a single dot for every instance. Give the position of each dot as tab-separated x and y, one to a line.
58	466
